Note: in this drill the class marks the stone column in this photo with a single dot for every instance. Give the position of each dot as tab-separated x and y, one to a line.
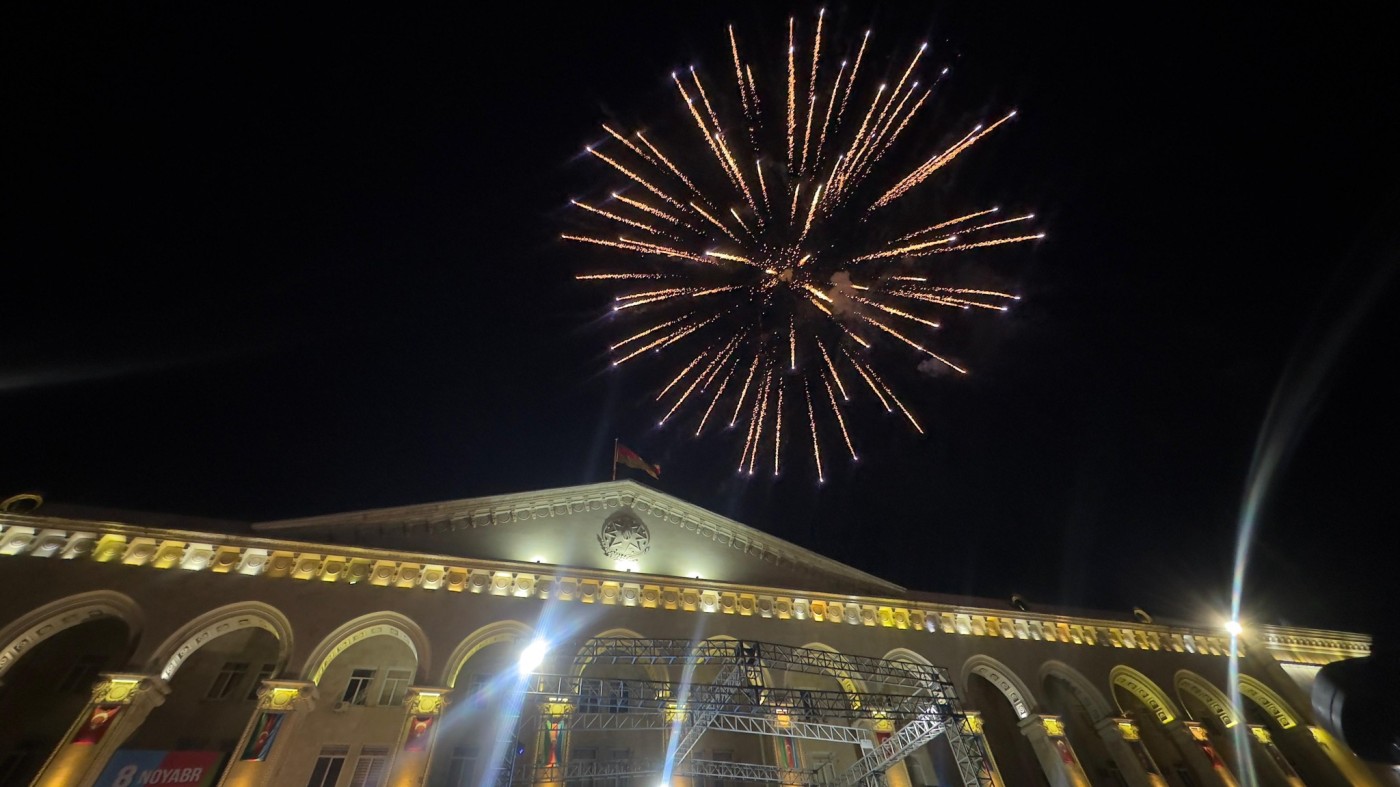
1201	757
552	743
1057	757
282	707
787	750
896	775
1125	744
120	702
1340	756
413	752
1268	757
973	726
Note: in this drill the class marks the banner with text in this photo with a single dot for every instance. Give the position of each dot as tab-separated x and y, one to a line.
141	768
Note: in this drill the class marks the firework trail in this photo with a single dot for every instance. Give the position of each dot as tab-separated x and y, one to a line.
768	287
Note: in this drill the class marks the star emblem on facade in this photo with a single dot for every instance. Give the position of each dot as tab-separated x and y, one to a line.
624	537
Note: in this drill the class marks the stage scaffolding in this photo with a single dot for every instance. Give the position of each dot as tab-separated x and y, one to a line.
916	701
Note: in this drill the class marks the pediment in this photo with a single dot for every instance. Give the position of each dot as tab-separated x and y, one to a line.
612	526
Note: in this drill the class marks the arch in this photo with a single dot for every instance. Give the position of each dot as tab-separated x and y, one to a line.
1270	701
375	624
767	672
178	647
1190	684
849	684
23	634
654	672
1007	682
490	634
905	654
1092	699
1149	693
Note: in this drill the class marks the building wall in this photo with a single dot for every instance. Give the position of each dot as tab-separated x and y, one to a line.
192	719
424	629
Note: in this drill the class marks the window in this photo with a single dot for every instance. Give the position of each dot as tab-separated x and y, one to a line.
603	696
461	769
719	755
357	689
395	686
81	676
620	694
476	682
617	758
226	682
590	693
328	766
586	759
264	673
371	767
821	761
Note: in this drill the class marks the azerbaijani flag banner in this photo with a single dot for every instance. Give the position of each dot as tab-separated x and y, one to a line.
622	455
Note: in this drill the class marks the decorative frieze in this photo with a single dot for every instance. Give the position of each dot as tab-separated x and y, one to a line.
165	550
1309	646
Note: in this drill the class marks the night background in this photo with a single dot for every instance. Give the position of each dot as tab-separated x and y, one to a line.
265	263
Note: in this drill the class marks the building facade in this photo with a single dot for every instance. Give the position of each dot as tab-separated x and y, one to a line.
602	636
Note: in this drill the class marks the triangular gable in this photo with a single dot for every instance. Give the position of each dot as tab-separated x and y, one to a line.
615	525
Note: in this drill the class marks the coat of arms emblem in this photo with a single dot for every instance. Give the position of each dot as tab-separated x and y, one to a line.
624	537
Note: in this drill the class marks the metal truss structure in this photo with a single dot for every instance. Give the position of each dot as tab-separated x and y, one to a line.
584	770
710	699
918	700
729	693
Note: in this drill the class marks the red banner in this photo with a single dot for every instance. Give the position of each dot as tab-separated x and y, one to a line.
96	725
418	734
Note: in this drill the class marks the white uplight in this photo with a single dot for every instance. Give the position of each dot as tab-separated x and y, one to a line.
532	656
1234	628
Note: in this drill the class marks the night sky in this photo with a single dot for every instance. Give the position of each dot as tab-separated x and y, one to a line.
262	265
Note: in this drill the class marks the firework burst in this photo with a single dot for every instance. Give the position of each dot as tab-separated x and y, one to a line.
763	264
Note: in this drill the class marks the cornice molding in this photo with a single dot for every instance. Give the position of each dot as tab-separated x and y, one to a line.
43	537
1311	646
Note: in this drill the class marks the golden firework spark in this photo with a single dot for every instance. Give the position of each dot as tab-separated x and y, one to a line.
734	296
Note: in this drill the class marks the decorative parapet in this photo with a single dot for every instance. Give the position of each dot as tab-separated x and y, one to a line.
292	561
1311	646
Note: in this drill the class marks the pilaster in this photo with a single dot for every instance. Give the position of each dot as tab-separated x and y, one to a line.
282	707
972	725
1340	756
1201	756
1267	756
413	752
897	775
552	745
1125	745
120	703
1057	758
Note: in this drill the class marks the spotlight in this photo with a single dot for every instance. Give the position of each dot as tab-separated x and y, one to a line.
1234	628
532	656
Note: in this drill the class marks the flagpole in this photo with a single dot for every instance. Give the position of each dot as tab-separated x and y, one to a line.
614	459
